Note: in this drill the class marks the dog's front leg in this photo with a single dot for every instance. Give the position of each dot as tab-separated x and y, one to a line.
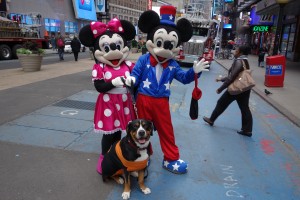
141	181
126	191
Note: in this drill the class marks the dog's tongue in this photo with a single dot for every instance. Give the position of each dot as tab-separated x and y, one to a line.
142	141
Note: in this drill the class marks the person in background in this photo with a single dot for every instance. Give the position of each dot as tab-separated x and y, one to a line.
242	99
53	43
75	45
261	55
60	43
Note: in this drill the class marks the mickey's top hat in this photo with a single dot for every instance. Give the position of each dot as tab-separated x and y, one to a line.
167	15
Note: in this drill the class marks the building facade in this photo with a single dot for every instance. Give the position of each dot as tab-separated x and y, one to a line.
259	21
57	16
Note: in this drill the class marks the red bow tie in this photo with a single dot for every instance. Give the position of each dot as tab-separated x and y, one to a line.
153	62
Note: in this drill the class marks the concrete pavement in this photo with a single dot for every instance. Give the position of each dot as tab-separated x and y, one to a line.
55	110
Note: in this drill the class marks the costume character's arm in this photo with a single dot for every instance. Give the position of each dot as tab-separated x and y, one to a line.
186	77
137	72
102	87
100	84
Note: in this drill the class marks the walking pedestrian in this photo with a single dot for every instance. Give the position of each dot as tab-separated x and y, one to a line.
261	55
75	45
242	99
53	43
60	47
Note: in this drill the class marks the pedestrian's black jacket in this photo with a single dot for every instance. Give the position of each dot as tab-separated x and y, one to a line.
75	45
233	72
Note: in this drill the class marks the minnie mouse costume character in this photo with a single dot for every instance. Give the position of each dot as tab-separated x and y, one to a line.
114	108
153	74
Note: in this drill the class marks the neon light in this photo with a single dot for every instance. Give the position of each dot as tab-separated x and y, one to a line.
260	28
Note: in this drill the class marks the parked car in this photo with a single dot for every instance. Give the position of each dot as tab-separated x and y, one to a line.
68	48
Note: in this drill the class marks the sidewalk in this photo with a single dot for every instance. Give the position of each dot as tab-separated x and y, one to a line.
284	99
48	146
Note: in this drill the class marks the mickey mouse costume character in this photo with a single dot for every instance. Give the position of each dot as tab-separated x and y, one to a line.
153	74
113	108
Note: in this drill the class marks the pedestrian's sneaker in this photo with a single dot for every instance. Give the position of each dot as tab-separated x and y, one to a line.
175	166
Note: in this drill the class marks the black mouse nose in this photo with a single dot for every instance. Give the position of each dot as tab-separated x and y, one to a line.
168	45
113	46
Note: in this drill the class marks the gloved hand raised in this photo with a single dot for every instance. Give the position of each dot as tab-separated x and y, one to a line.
202	65
130	81
117	82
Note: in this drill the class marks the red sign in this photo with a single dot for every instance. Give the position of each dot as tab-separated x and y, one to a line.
149	4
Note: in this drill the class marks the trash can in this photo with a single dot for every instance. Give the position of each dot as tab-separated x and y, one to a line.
275	70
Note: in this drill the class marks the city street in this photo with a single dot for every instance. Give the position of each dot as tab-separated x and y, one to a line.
48	149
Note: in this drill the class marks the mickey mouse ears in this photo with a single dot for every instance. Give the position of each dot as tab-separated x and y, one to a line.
167	15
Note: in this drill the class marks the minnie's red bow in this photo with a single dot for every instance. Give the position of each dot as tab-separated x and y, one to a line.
114	25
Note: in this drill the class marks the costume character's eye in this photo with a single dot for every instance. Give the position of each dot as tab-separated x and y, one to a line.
106	47
118	47
159	43
172	45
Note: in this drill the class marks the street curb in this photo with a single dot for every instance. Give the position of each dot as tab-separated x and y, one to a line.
273	103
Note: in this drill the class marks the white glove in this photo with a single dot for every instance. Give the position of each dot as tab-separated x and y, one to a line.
130	79
117	82
202	65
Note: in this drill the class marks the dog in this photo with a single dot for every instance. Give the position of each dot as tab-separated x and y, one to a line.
130	154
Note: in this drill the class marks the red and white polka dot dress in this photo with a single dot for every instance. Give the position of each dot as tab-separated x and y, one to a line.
114	109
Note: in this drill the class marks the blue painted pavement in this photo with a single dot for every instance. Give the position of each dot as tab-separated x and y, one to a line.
222	164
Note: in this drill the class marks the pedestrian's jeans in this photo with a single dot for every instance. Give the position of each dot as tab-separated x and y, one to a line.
61	53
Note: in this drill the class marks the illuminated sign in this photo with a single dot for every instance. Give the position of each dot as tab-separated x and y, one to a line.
100	6
260	28
85	9
227	26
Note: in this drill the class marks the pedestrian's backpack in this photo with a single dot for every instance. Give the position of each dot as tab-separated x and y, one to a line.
60	42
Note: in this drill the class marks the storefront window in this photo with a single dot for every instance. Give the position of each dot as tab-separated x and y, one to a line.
287	42
71	27
52	25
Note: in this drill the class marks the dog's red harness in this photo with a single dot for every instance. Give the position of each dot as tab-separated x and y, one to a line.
130	165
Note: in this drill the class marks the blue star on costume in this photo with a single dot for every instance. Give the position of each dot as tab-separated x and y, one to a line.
176	166
149	85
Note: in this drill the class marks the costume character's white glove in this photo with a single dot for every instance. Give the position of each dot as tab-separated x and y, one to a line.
202	65
117	82
130	81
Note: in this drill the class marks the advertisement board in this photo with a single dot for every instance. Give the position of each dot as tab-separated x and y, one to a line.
100	6
85	9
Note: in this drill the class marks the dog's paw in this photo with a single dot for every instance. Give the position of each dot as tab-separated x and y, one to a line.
146	191
134	174
126	195
120	181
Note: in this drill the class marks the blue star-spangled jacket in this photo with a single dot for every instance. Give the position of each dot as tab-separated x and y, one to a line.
145	76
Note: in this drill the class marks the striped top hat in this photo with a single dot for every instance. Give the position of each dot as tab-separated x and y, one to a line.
167	15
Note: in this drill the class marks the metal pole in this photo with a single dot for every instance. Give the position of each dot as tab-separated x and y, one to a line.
277	40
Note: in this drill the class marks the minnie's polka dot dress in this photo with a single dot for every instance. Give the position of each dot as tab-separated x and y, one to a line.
114	109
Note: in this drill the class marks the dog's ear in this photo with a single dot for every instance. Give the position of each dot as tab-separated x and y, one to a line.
129	127
152	128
